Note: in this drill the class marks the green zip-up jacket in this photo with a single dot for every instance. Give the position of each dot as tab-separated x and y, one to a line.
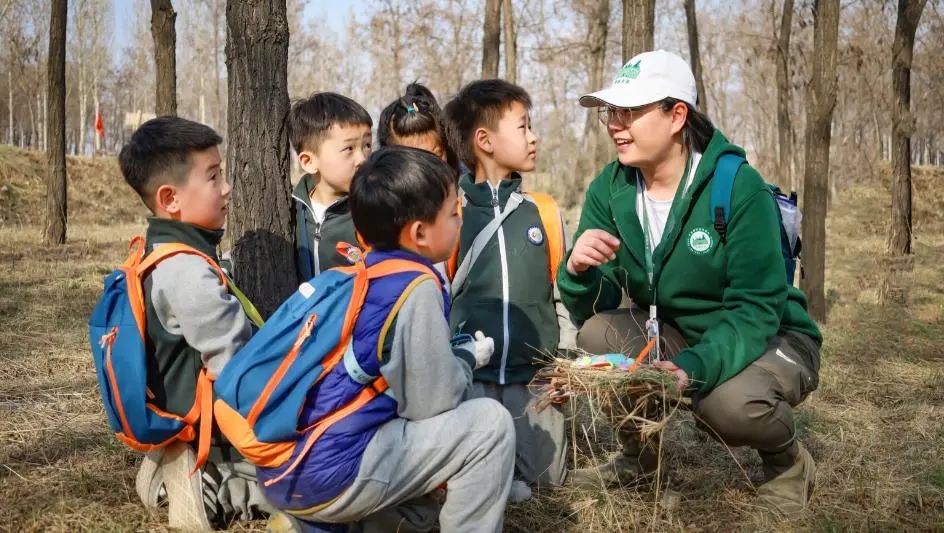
728	300
508	294
315	243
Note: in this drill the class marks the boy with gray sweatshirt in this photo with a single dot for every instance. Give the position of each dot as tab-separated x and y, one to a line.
378	465
192	320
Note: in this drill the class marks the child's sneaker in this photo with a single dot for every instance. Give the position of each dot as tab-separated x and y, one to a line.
520	492
149	482
185	498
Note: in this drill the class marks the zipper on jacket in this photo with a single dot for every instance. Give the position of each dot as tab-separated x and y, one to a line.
316	241
504	273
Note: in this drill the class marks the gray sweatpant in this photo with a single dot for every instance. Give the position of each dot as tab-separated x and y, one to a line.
754	408
541	439
470	448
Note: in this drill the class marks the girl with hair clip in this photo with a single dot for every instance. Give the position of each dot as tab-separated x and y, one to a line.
415	120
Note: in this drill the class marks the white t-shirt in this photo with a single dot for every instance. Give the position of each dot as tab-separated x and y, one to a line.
319	211
657	211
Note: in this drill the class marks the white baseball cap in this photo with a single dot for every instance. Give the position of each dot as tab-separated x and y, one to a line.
646	78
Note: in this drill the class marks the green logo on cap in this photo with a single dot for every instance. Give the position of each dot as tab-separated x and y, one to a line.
630	71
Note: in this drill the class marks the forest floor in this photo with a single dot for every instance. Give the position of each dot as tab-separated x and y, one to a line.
875	426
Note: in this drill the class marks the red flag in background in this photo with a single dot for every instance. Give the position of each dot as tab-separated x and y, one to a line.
99	124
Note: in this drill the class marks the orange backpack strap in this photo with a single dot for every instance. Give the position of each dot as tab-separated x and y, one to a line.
452	264
553	223
136	267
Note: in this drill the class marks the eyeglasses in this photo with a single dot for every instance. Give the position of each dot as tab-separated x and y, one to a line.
624	116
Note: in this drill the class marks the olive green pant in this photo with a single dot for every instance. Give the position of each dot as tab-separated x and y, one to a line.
754	408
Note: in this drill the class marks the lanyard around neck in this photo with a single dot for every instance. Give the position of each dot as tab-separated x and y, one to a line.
650	246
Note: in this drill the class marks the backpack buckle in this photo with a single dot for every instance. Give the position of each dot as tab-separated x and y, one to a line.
720	225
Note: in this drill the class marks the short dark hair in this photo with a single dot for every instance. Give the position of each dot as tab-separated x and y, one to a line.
479	104
396	185
310	118
159	151
698	129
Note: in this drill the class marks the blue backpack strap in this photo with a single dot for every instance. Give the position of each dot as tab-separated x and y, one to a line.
721	188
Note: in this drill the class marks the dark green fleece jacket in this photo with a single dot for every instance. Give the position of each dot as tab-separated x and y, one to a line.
728	300
508	294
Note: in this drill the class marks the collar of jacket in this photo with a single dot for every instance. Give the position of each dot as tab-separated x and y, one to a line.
301	193
164	231
480	194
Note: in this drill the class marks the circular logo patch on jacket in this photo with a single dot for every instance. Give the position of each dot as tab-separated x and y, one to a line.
535	235
699	241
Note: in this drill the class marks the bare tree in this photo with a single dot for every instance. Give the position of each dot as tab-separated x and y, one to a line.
898	246
597	13
695	55
784	126
257	157
56	211
491	39
165	58
639	17
820	105
511	42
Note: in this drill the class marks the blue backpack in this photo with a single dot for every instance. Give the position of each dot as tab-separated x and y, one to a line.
262	390
117	332
787	213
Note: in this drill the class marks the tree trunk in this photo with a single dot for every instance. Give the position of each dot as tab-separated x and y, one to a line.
165	57
491	39
784	127
898	258
593	145
695	55
98	110
10	103
638	27
511	42
55	232
821	102
83	106
257	157
216	64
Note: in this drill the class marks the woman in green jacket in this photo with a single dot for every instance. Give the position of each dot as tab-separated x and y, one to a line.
734	332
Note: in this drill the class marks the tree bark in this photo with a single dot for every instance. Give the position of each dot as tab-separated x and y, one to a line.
257	157
898	258
10	103
784	126
55	232
638	27
695	55
165	57
593	146
821	102
511	42
491	39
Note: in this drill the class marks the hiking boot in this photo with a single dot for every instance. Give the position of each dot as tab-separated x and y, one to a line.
185	498
789	492
149	482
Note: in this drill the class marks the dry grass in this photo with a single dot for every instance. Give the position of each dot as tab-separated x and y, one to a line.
875	426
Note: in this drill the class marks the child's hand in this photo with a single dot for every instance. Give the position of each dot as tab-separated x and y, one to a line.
484	348
594	248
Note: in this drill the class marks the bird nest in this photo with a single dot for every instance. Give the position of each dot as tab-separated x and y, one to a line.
617	390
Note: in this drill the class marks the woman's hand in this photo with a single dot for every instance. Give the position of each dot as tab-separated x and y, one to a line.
594	248
669	366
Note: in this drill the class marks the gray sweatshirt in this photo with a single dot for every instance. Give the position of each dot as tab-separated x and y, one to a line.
425	376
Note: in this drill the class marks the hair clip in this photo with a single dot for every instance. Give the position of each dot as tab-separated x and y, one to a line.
411	108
